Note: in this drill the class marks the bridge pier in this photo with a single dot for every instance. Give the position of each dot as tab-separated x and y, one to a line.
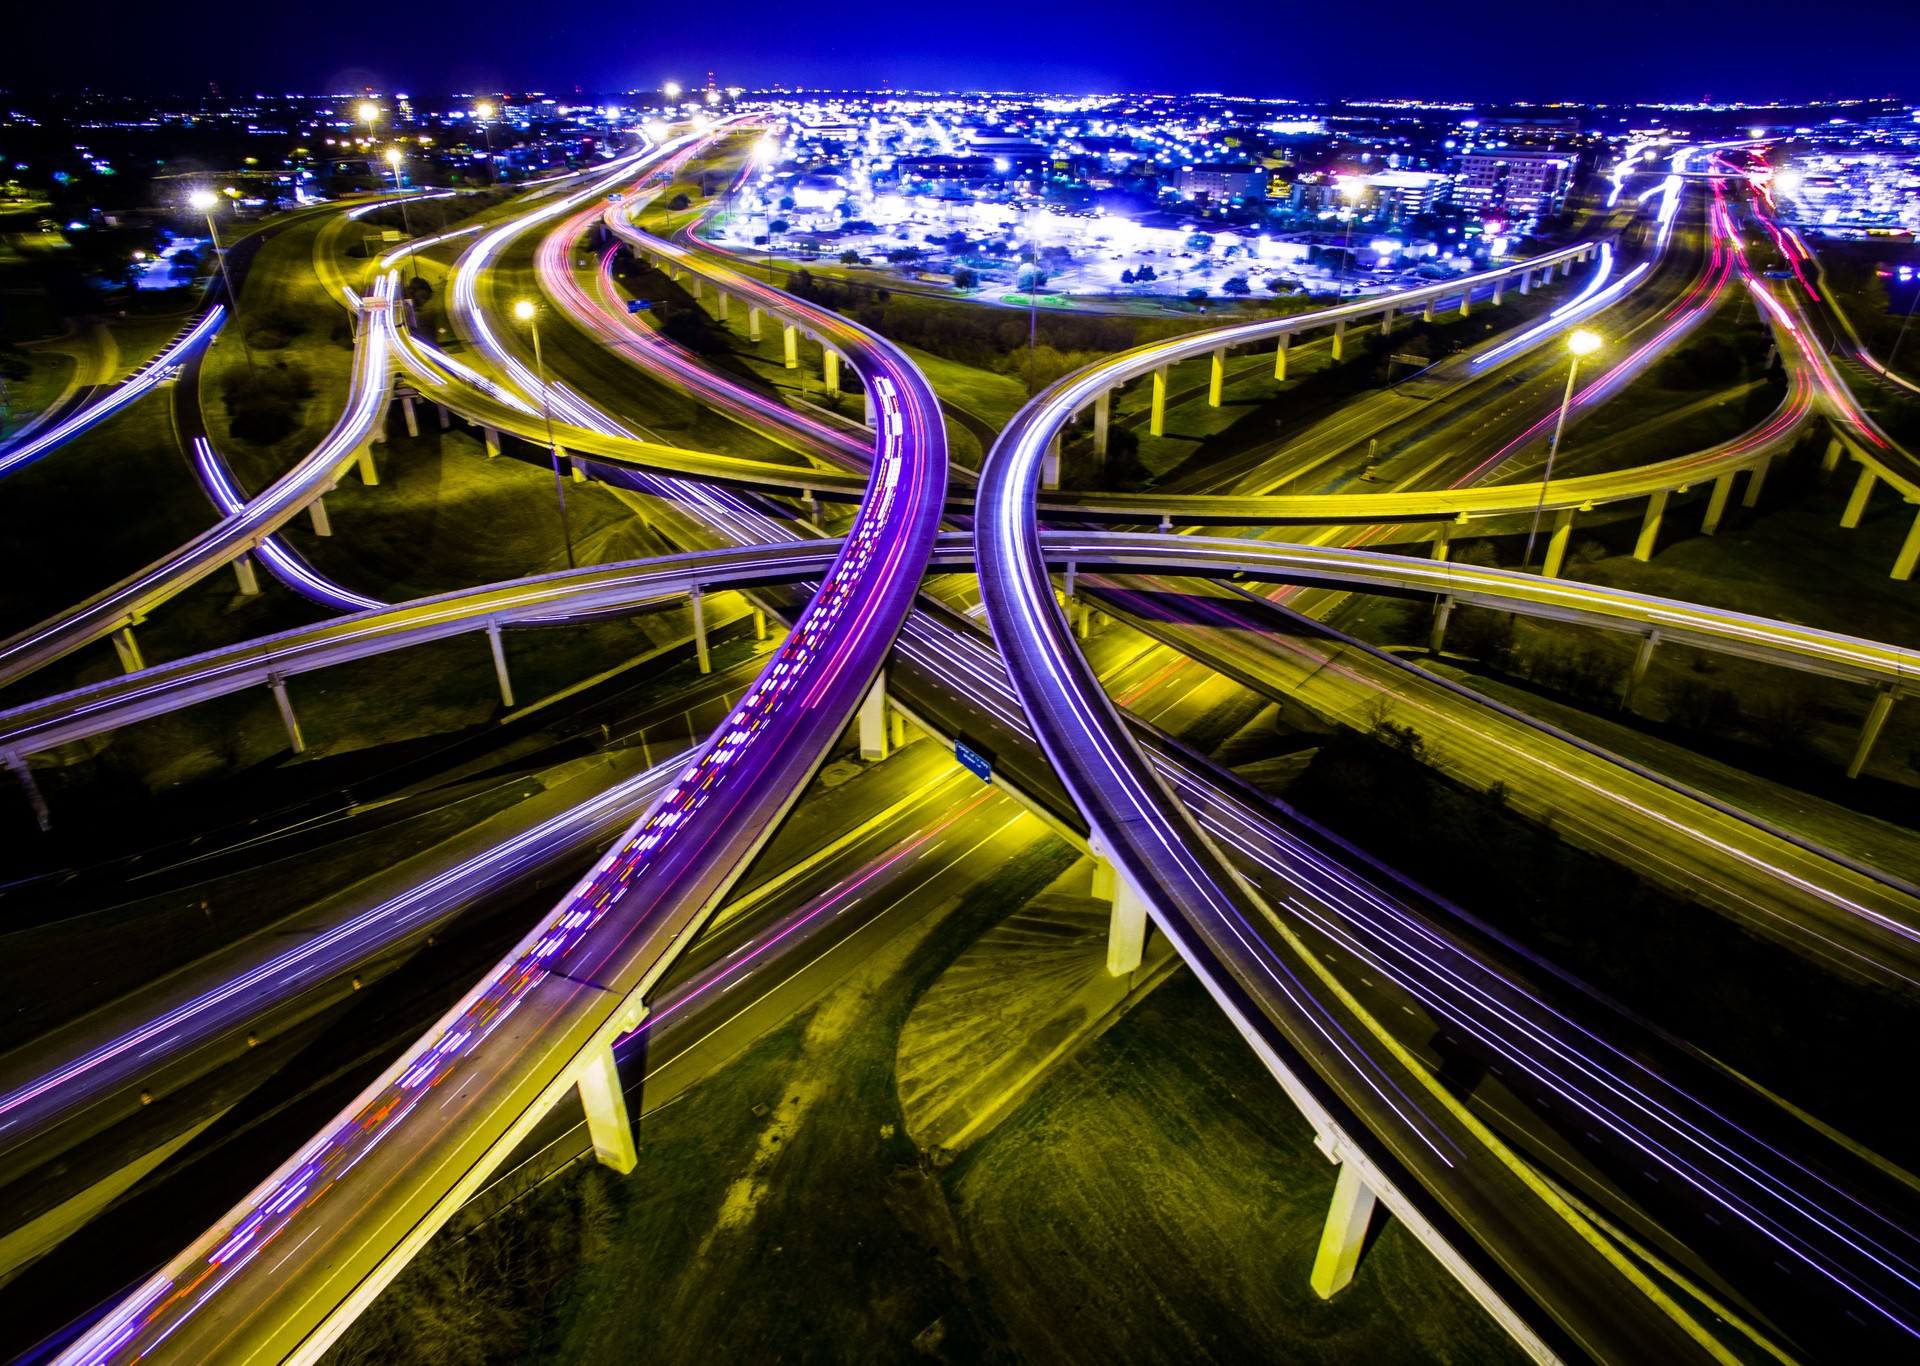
1426	314
128	649
368	474
446	417
1386	321
491	436
1903	563
1345	1233
278	683
1443	541
1127	926
1870	732
1566	268
1717	503
249	580
1157	416
1557	544
1050	464
1499	290
1442	614
413	418
1756	480
724	301
1648	642
866	395
1102	419
1280	355
759	623
695	291
881	726
700	632
1650	526
1526	281
753	323
23	771
1217	377
830	370
1340	339
605	1101
499	649
1830	458
790	340
1466	300
317	511
1857	502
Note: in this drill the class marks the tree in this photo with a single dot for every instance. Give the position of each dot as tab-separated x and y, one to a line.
1197	294
1279	286
1030	277
900	256
679	201
1126	277
779	225
850	258
1146	274
963	278
786	204
1237	285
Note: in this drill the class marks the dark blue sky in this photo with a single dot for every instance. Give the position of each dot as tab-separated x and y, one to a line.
1669	49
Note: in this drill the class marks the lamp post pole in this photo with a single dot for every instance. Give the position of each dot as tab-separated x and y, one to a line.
546	412
1581	343
205	201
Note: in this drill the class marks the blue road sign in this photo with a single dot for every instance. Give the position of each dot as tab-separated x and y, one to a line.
635	305
973	761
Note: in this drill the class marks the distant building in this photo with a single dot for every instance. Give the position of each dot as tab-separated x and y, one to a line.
1405	193
1513	182
1222	180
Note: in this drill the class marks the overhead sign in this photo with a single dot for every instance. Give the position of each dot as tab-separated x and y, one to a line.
973	761
616	197
635	305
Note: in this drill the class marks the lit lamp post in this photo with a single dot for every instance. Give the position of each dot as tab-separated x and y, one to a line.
527	313
406	219
483	111
1349	191
1580	343
369	115
204	200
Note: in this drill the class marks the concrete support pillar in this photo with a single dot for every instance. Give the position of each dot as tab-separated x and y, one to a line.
1526	281
1102	419
759	624
1648	643
1650	526
1857	502
830	369
1830	458
1499	290
725	302
1217	378
1345	1233
1870	732
1442	614
1426	314
413	418
128	649
23	771
368	474
1903	563
446	418
753	323
317	510
499	649
814	514
1557	544
1050	464
1756	480
790	341
696	286
249	579
287	718
491	436
575	468
700	633
1157	415
1717	503
605	1101
1127	926
1340	339
874	732
1280	355
1466	300
866	397
1443	541
1386	322
1566	268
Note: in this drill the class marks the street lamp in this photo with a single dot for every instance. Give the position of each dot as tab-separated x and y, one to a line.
1580	343
369	115
484	112
406	219
671	90
1349	191
527	313
205	200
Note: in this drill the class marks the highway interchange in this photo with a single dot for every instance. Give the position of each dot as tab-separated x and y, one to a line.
1680	1219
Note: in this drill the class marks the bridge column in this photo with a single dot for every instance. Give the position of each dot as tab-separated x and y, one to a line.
1904	562
368	474
1443	541
1499	290
1426	314
1102	419
1830	458
1857	503
1442	614
1127	926
1526	281
446	417
23	771
753	323
499	649
1648	642
1466	299
1280	355
830	370
1217	377
322	524
249	580
491	436
1566	269
1717	503
1870	732
1157	417
1386	322
413	418
1557	544
278	684
1756	480
1345	1233
1340	339
725	300
128	649
874	731
790	339
1050	464
605	1101
696	287
700	633
1650	526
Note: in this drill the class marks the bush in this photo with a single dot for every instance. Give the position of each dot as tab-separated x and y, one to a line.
1697	705
851	258
678	202
965	278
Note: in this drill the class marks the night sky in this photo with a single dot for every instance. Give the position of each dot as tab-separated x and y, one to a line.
1678	50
